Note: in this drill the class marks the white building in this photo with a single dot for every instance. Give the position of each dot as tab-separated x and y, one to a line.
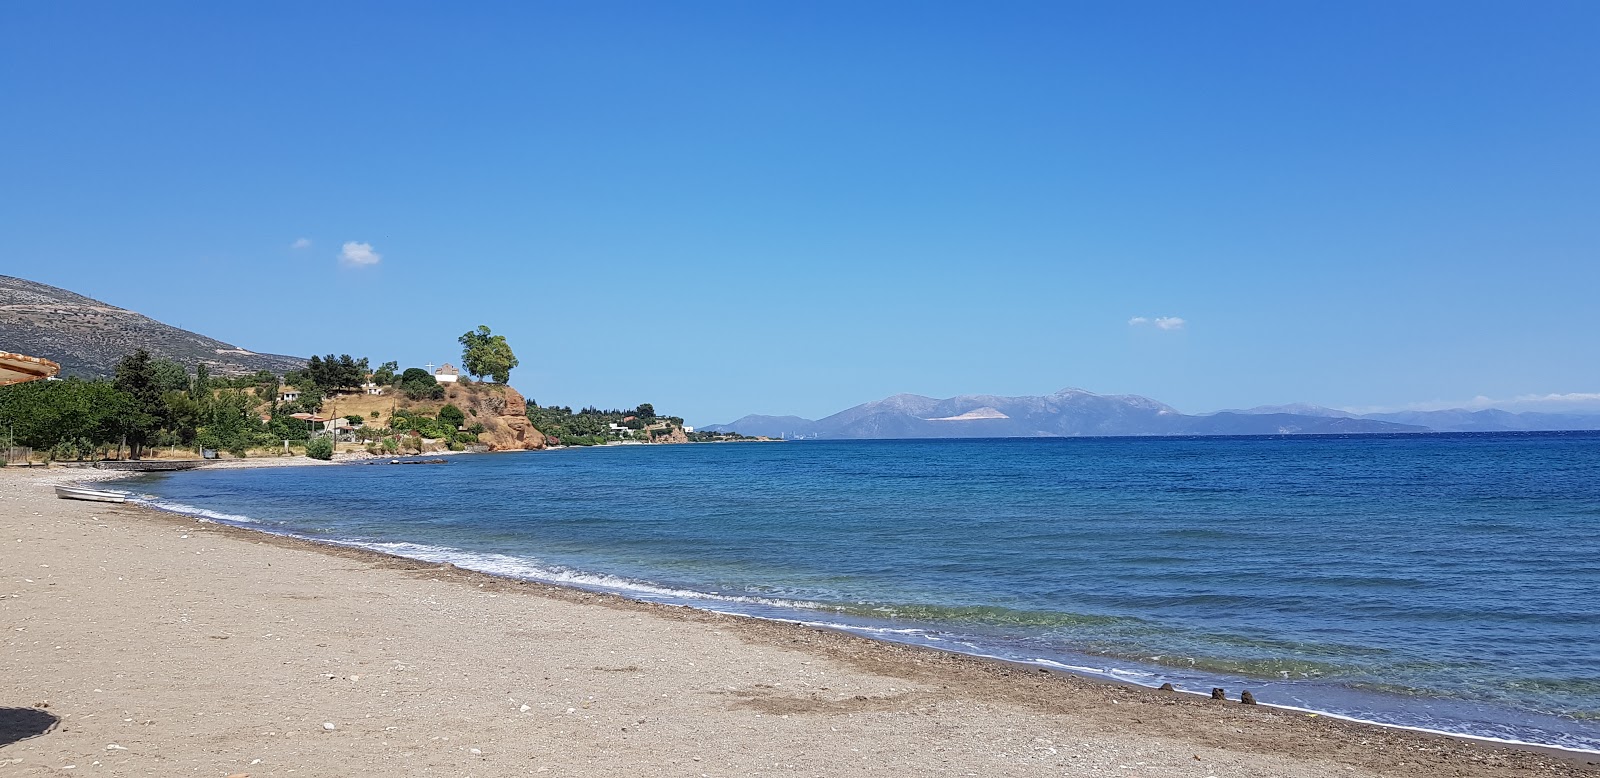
288	394
446	374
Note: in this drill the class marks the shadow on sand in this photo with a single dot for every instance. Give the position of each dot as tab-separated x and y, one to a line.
23	723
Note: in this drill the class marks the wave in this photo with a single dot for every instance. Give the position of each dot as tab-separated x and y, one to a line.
939	626
204	514
523	568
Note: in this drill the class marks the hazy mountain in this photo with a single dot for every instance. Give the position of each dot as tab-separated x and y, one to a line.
1298	409
1456	420
1227	423
87	337
1067	413
770	426
1491	420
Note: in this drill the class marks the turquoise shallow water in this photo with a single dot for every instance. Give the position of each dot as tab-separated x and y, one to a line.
1448	582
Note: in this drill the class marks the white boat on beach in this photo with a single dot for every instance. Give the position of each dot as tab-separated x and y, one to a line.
92	495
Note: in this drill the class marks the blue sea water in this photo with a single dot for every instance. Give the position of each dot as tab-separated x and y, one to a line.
1445	582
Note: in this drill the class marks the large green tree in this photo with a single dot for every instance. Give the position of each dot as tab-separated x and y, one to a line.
146	381
332	373
485	354
419	384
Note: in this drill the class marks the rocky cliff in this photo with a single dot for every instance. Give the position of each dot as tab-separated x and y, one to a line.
503	413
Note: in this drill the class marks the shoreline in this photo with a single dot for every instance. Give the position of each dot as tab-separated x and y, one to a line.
1187	717
867	632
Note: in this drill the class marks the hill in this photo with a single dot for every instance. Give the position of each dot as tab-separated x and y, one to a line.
500	409
1067	413
87	336
1492	420
1456	420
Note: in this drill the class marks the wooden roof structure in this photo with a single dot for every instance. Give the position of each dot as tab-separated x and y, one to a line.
20	368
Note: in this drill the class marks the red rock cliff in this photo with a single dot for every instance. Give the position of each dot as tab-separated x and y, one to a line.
503	413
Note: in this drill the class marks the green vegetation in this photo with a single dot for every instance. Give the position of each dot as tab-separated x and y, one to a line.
426	426
717	437
45	414
328	373
154	403
452	415
319	448
419	384
593	427
486	354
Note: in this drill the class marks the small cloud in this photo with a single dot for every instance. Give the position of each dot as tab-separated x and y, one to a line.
359	254
1160	322
300	243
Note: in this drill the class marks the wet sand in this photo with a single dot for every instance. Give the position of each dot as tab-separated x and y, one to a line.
152	644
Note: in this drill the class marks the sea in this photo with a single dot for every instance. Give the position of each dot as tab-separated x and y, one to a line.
1448	583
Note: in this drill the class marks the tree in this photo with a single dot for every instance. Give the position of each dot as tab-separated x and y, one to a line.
419	384
384	375
169	375
42	414
140	378
319	448
202	381
331	373
645	411
452	416
486	354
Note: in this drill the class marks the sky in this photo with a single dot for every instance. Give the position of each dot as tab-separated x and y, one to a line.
725	208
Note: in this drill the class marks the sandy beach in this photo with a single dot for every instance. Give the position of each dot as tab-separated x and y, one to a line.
139	643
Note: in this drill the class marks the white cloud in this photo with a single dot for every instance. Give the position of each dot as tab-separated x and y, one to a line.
301	243
359	254
1160	322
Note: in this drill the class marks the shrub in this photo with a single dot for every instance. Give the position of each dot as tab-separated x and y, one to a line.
319	448
452	416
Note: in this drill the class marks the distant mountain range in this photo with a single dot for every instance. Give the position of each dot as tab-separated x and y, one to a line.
1075	412
87	337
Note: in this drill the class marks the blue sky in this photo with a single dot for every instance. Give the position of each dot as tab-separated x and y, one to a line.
727	208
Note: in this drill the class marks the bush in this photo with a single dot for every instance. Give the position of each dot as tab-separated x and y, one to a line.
319	448
452	416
